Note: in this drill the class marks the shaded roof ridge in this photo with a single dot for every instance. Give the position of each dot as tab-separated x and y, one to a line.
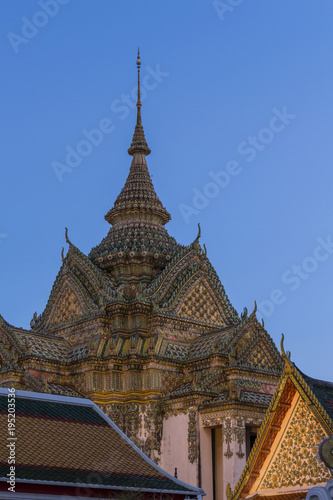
105	283
312	381
313	393
232	313
103	288
159	281
39	323
11	334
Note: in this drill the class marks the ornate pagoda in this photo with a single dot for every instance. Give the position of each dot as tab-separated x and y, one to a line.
143	327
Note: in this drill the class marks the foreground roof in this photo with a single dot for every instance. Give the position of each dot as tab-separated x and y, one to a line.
66	441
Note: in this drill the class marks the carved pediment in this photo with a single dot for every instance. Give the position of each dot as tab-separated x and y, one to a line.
294	461
258	349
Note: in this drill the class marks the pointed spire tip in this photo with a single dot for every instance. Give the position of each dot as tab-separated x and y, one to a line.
139	143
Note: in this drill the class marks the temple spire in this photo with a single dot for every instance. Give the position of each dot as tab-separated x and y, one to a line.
138	104
139	143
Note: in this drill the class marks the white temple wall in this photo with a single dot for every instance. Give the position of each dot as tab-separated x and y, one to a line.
174	449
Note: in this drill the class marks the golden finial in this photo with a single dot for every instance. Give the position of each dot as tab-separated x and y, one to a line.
138	104
255	307
205	254
62	254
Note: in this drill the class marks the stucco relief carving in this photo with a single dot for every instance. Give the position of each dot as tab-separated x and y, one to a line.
227	431
296	463
234	431
192	435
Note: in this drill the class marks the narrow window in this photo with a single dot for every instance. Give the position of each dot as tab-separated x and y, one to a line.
251	434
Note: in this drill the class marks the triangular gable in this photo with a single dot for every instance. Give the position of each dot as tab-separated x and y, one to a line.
200	304
190	277
293	461
284	455
67	307
80	288
259	349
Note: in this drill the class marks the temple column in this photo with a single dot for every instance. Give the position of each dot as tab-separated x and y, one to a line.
233	450
206	461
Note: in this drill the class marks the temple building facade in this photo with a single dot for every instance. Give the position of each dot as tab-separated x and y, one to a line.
143	327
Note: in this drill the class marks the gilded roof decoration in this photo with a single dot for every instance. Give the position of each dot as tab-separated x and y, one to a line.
296	463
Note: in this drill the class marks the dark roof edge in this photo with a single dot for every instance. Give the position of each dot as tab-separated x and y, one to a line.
98	486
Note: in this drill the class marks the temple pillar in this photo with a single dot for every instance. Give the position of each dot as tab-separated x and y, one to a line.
233	450
206	463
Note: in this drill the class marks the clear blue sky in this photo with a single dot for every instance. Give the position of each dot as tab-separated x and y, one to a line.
238	113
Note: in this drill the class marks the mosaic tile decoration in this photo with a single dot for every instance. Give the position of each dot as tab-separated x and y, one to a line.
45	347
176	351
256	397
200	304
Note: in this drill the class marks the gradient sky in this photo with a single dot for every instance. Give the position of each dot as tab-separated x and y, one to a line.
236	92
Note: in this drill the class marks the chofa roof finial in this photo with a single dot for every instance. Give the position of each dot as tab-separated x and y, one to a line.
199	233
66	236
285	355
